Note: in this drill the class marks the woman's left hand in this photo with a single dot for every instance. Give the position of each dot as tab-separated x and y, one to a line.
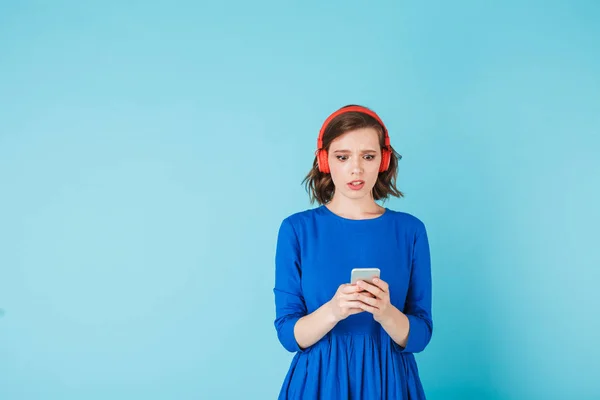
379	303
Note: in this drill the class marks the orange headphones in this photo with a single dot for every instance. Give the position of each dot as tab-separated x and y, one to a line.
386	152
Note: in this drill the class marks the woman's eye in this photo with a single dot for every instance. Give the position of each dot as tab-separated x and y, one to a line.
368	157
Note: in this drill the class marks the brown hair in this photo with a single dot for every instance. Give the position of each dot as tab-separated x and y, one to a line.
320	185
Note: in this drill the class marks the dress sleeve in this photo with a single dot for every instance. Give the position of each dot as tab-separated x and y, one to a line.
418	300
289	300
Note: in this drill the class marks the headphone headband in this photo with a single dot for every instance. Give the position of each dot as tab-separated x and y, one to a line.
344	110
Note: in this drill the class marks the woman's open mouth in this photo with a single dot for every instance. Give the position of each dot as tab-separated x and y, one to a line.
356	185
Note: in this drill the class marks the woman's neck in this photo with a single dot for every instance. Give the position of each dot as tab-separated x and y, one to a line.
355	209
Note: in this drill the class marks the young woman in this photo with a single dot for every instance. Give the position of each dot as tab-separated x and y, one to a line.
353	341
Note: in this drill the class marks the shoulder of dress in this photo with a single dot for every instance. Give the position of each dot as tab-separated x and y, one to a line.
408	219
299	218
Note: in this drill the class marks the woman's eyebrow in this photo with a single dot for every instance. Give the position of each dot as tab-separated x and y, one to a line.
348	151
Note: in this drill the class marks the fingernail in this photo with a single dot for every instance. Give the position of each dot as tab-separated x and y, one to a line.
375	280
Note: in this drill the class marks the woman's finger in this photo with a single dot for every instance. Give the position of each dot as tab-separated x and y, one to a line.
352	304
381	284
377	292
368	299
368	308
356	295
348	288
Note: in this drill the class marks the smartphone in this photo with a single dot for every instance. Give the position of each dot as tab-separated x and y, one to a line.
364	274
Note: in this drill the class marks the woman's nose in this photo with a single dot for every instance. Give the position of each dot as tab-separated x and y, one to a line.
356	166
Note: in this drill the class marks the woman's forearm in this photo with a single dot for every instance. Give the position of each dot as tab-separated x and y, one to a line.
397	326
311	328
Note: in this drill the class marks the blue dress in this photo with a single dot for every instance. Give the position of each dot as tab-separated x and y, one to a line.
357	359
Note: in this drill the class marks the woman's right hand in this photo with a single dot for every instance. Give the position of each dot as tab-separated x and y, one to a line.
345	302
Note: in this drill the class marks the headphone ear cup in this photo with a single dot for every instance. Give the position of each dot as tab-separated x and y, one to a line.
322	159
386	156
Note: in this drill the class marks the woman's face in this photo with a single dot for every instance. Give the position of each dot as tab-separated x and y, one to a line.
355	157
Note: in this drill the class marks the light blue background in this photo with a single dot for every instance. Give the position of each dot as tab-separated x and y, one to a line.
149	151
